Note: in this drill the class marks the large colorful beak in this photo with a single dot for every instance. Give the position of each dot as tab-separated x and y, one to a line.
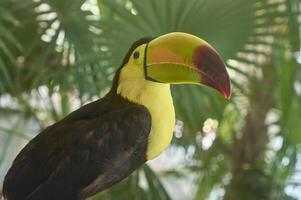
184	58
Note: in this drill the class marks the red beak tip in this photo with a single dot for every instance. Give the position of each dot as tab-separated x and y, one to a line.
227	96
226	92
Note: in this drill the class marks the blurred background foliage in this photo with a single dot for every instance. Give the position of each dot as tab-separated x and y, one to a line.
56	55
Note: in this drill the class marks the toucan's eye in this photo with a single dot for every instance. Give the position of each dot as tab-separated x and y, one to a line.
136	55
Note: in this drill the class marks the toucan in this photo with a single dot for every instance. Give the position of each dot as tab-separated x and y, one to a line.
103	142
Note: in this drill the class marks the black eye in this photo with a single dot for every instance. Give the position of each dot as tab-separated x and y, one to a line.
136	55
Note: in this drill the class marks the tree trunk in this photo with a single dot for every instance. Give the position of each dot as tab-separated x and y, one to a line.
249	181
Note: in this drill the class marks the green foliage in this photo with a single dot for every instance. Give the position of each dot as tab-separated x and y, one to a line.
53	49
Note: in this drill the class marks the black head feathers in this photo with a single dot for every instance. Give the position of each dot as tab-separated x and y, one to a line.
126	59
133	47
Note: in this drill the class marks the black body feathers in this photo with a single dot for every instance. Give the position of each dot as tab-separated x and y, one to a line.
88	151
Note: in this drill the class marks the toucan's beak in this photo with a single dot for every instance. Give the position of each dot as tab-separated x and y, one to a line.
184	58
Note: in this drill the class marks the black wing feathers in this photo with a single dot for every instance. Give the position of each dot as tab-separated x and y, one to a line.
88	151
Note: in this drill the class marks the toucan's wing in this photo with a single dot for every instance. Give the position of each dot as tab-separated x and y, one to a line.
80	157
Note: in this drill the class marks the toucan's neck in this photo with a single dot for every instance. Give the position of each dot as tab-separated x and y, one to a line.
141	91
156	97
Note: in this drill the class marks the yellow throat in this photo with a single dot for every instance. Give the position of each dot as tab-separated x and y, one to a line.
156	97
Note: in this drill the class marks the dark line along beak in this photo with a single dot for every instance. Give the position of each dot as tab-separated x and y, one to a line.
183	58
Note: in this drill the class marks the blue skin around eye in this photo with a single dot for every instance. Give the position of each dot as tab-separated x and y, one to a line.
136	55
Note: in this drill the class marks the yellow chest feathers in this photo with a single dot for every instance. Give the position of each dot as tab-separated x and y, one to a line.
156	97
